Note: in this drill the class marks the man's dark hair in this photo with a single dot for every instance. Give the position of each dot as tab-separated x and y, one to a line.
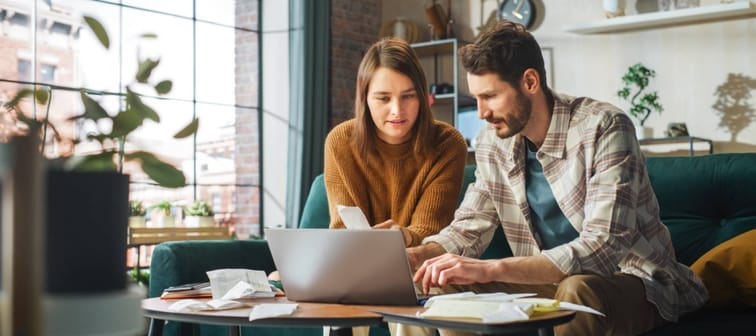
506	49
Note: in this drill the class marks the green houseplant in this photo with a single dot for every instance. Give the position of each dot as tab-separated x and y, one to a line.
137	212
88	195
161	214
642	103
199	214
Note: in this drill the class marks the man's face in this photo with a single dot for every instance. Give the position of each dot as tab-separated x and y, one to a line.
500	104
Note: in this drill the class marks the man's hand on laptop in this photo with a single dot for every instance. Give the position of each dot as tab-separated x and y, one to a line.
448	269
390	224
416	255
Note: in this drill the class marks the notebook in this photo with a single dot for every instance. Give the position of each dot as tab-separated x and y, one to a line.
343	266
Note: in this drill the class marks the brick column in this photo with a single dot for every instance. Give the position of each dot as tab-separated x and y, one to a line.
355	25
246	149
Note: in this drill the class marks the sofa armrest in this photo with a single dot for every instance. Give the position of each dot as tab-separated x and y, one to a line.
181	262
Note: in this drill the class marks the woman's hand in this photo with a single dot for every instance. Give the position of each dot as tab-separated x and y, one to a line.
390	224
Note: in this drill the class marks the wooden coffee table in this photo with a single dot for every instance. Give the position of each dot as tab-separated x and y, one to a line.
343	317
542	322
307	315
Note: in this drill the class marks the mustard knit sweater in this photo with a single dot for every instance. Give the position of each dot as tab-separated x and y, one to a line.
420	195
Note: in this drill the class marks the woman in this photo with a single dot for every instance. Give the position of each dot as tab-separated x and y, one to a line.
401	167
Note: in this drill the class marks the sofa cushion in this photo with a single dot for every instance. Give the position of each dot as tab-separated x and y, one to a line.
729	272
315	212
704	200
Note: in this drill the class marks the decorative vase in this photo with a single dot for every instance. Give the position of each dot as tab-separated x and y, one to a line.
199	221
614	8
136	221
400	29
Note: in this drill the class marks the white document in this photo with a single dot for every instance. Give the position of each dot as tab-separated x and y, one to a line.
353	217
190	305
480	310
494	307
562	305
235	283
267	310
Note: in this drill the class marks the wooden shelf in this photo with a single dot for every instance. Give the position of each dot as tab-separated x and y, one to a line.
690	140
730	11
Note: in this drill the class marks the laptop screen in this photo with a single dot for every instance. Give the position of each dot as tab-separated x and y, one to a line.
343	266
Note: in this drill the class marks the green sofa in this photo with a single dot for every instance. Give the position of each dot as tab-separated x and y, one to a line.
704	201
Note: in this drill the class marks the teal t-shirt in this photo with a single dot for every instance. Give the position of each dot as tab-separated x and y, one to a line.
548	220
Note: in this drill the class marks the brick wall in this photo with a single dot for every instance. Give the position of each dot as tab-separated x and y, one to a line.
355	25
246	150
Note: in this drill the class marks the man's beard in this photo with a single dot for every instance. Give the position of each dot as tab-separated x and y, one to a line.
517	120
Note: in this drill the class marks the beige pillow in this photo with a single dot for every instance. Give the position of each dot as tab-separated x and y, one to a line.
729	272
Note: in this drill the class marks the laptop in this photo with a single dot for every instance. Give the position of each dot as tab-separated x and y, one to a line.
343	266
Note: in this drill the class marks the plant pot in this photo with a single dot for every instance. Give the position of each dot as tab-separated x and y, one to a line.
136	221
86	231
644	132
160	219
199	221
614	8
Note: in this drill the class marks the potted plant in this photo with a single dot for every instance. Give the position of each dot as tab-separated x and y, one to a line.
199	214
88	195
136	214
641	103
160	214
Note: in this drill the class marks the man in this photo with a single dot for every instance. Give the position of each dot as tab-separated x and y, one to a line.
566	180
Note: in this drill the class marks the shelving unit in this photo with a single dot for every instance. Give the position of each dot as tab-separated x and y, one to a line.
436	50
711	13
689	140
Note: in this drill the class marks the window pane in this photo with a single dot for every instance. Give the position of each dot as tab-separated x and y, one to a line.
173	46
158	138
218	11
175	7
216	64
82	61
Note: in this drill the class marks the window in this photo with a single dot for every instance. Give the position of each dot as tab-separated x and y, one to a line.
47	73
208	48
24	70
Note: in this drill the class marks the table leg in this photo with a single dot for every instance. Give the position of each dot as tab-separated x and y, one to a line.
336	331
548	331
234	330
156	327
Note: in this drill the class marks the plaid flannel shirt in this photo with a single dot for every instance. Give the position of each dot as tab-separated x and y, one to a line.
593	163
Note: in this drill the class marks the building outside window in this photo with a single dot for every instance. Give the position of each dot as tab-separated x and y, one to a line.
210	49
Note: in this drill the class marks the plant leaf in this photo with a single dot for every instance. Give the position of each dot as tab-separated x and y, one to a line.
92	109
98	30
148	35
162	173
41	96
23	93
95	162
164	87
126	122
137	105
188	129
145	69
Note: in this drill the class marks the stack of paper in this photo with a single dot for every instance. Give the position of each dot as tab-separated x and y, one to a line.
494	307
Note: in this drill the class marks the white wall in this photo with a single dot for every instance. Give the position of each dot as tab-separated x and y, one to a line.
691	61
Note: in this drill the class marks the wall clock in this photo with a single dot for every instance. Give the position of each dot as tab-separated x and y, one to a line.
520	11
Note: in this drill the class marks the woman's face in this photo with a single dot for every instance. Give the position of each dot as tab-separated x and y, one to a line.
394	105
